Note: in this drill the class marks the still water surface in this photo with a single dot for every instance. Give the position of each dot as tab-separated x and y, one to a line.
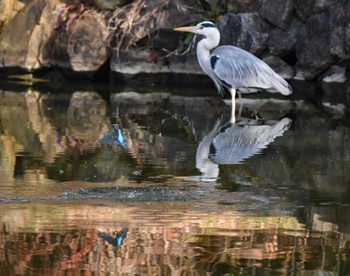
162	184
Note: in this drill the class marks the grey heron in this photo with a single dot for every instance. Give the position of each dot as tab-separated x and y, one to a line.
232	67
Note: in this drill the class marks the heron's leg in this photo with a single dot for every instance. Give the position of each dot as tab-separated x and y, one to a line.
233	111
240	104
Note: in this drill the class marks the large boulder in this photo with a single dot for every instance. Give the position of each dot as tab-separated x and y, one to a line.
304	8
277	12
17	46
281	42
340	30
246	30
312	48
8	9
279	66
82	47
36	37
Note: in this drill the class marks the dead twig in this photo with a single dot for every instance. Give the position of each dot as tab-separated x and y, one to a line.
133	22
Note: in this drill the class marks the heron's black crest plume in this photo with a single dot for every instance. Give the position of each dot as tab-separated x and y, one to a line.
208	24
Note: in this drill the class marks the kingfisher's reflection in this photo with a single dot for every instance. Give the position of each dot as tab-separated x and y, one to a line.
229	143
115	137
117	240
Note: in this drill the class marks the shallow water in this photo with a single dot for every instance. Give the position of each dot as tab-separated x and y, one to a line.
158	183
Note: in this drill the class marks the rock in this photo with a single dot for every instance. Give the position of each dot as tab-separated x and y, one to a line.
340	30
246	30
297	29
241	6
337	45
135	61
336	74
277	12
311	51
15	46
55	50
323	5
87	46
8	9
280	66
303	8
281	42
299	75
32	39
347	38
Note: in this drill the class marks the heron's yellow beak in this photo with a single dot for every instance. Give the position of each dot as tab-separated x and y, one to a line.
190	29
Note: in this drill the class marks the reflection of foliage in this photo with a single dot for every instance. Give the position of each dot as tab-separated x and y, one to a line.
66	14
179	126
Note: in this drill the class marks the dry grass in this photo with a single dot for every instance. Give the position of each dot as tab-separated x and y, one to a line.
135	21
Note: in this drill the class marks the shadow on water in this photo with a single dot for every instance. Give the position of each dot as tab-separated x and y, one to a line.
159	183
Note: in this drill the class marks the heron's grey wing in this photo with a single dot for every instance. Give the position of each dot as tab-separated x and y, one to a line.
240	69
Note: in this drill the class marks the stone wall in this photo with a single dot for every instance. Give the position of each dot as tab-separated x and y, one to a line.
307	39
299	39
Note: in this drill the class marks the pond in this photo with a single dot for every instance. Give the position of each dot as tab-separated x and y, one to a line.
154	182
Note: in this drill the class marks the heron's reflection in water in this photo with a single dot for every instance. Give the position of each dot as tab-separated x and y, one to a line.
229	143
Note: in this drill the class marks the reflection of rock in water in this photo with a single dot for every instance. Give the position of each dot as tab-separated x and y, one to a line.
87	116
233	143
234	244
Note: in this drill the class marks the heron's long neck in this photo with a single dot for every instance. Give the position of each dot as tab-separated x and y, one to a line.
204	47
